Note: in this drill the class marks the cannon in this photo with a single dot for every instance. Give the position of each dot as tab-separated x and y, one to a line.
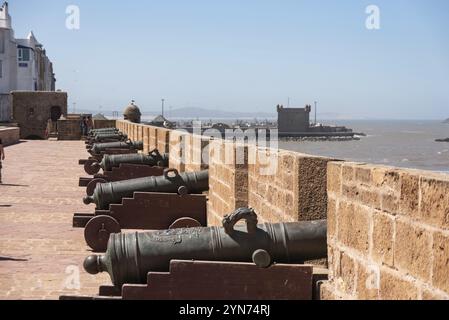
123	172
130	257
171	182
106	137
107	133
153	158
144	211
92	133
98	148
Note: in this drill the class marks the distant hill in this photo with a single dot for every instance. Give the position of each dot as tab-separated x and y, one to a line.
446	121
194	112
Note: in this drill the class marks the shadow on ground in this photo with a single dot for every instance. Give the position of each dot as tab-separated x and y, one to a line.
12	259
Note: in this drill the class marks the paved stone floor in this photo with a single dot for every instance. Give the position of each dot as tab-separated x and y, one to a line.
41	255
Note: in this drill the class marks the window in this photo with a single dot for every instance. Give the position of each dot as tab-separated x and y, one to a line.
24	54
2	42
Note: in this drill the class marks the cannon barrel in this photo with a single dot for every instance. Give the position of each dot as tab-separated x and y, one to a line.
171	182
92	135
107	136
131	256
97	148
105	130
154	158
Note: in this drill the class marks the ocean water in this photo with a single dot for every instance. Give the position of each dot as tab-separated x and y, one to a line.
408	144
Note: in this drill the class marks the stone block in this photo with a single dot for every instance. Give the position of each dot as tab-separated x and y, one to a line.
334	172
394	287
409	196
383	243
353	226
347	174
412	250
434	207
440	268
363	175
368	282
332	218
346	275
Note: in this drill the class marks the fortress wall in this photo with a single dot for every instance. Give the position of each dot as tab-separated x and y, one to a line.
388	233
32	110
99	124
388	228
69	129
9	136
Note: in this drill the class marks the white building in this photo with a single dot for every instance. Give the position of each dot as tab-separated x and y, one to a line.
24	64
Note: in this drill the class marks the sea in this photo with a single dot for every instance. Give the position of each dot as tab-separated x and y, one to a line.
399	143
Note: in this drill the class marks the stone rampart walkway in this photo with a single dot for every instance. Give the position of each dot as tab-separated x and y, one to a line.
41	255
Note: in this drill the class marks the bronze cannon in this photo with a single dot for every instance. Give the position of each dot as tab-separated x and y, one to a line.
171	182
93	132
98	148
107	137
153	158
130	257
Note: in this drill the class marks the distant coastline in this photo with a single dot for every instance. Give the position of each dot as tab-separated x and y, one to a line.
190	113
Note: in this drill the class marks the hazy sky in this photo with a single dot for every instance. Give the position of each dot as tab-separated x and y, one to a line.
248	55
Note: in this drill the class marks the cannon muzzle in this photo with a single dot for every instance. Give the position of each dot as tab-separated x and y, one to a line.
92	167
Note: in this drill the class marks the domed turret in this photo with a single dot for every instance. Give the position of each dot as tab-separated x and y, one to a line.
132	113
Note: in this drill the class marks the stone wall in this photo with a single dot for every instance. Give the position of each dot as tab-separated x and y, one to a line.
69	129
100	124
9	136
32	110
388	233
